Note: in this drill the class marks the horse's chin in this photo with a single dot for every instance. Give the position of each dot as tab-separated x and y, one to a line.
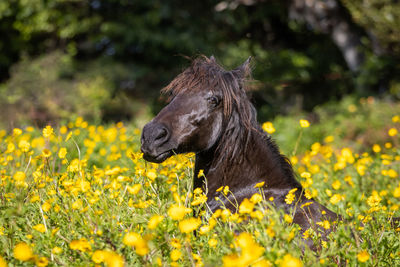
158	158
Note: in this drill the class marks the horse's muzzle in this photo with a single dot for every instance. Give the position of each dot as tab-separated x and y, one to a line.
155	139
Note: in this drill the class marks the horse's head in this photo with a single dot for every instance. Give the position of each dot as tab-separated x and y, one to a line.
201	104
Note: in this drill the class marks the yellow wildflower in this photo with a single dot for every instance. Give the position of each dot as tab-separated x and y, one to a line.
62	152
176	212
213	242
189	225
154	221
290	261
80	244
304	123
40	228
3	262
19	176
17	131
46	153
363	256
135	240
268	127
41	261
376	148
290	196
246	206
24	145
134	189
175	255
48	131
392	132
259	185
23	252
336	184
288	218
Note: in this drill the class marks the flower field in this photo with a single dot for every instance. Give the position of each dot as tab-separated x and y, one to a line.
81	195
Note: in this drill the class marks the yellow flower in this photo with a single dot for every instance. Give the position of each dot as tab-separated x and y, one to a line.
336	184
325	224
290	197
23	252
290	261
201	173
268	127
48	131
363	256
151	175
304	123
62	152
81	244
200	199
46	153
392	173
336	198
376	148
24	145
396	192
175	255
392	132
259	185
77	204
131	239
46	206
154	221
176	212
175	243
213	242
374	200
256	198
114	260
135	240
40	228
99	256
134	189
226	190
3	262
288	218
19	176
56	250
189	225
246	206
41	261
17	131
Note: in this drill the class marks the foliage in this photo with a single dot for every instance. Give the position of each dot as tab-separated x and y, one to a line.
83	195
380	18
345	121
46	89
297	67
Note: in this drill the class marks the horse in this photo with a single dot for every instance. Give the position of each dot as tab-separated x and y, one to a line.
210	114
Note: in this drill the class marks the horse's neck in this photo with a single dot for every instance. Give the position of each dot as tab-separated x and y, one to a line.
261	163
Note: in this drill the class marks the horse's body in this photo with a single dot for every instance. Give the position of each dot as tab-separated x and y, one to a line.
211	115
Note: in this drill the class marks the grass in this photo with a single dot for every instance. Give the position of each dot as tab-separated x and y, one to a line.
81	195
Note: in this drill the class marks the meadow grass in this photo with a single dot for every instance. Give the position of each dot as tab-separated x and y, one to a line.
81	195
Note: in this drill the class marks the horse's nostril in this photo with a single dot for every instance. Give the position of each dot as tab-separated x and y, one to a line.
161	135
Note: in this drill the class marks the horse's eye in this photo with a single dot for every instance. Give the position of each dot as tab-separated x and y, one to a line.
214	101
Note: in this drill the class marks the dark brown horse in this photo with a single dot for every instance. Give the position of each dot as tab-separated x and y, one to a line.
210	114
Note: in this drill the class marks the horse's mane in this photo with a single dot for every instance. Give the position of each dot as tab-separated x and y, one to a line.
240	116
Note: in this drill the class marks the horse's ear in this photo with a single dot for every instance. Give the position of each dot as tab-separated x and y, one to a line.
243	70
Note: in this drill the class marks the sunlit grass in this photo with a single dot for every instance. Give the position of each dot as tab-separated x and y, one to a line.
82	195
